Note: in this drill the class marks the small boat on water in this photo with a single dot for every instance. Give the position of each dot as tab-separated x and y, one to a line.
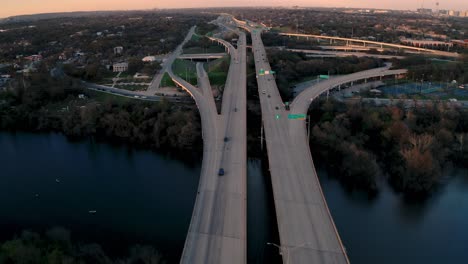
92	211
57	180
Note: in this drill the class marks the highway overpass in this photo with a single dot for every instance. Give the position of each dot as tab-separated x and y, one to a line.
301	103
320	53
202	56
375	43
306	228
218	228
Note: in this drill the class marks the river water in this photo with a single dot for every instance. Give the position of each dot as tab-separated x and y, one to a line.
142	197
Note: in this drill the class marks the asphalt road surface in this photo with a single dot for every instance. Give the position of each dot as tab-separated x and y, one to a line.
218	229
306	228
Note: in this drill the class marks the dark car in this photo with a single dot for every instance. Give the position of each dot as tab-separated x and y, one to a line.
226	139
221	172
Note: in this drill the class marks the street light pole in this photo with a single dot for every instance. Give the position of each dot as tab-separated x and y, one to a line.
286	249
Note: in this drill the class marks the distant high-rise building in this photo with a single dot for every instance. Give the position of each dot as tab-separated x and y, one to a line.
451	13
443	12
425	11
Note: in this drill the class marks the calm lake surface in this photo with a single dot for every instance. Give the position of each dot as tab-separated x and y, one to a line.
142	197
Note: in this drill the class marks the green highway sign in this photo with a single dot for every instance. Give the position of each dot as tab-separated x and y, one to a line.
261	72
324	76
296	116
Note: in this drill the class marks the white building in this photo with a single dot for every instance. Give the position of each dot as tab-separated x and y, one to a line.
118	50
120	67
149	59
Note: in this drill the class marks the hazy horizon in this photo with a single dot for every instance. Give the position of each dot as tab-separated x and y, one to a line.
27	7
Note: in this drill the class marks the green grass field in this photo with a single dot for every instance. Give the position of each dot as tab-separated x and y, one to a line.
166	81
105	97
186	70
217	72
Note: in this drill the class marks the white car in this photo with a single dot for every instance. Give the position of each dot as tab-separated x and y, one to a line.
264	92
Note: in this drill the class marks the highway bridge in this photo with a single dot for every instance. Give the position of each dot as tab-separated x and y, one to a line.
375	43
306	228
321	53
218	228
301	103
202	56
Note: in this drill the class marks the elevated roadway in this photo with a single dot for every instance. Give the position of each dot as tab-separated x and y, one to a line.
319	53
218	228
376	43
202	56
302	101
306	229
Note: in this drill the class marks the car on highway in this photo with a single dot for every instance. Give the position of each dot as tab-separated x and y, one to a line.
221	172
264	92
226	139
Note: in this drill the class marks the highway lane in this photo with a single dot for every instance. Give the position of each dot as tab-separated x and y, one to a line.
134	94
306	228
217	232
167	64
302	101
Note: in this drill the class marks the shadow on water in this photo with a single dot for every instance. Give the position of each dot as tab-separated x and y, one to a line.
261	216
389	228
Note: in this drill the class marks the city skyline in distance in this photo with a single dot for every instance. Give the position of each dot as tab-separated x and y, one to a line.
24	7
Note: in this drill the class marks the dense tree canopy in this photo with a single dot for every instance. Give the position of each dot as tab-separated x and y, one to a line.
409	146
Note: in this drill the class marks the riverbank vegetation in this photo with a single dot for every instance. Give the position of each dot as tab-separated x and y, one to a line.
42	104
57	247
409	146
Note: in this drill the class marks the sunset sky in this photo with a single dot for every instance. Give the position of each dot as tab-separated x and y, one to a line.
17	7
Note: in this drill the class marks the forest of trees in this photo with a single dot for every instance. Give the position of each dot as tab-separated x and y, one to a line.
410	147
421	67
41	103
57	247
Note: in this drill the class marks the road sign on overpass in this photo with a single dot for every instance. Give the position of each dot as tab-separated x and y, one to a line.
324	77
296	116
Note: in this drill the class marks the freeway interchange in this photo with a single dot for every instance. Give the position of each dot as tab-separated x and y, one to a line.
218	228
